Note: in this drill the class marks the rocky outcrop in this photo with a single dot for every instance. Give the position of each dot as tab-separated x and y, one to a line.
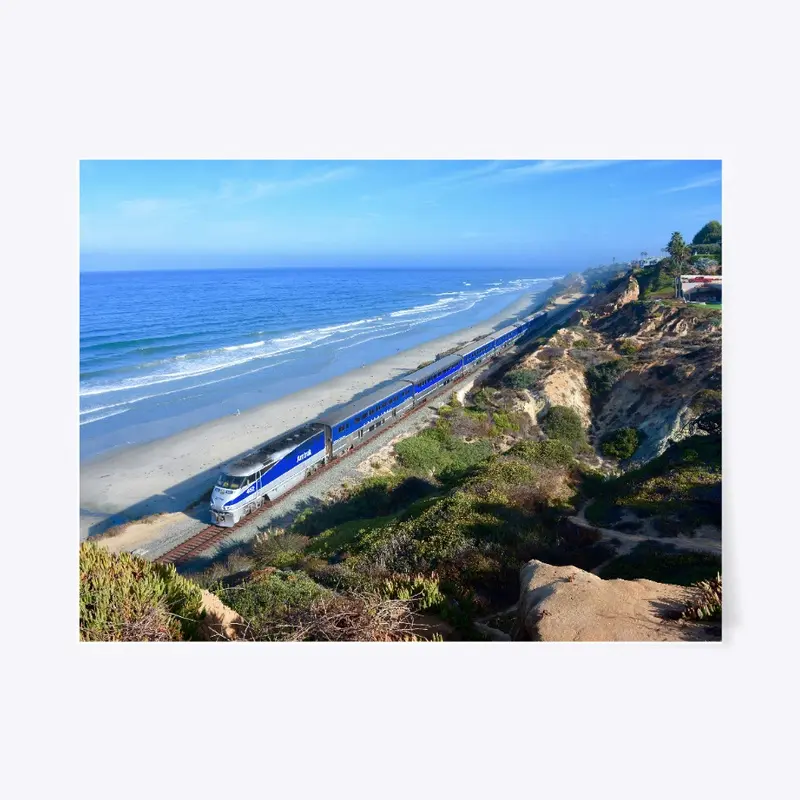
607	303
656	397
563	382
678	354
668	353
566	604
566	386
220	623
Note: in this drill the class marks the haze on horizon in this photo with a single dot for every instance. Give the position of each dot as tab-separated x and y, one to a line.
568	215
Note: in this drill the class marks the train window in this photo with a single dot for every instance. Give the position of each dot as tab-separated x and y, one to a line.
230	481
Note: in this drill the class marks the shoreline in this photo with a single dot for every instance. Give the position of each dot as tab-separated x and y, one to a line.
172	473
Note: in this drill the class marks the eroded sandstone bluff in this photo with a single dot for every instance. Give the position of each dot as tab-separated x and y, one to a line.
667	353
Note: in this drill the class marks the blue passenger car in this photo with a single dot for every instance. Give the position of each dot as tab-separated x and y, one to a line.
477	353
433	377
350	423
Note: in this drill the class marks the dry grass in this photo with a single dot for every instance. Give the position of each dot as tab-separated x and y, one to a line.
364	617
155	624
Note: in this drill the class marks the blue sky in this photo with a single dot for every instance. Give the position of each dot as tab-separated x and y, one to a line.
564	214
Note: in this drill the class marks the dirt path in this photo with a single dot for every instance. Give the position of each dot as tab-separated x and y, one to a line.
628	541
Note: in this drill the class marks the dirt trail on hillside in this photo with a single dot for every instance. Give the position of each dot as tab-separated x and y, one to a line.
628	541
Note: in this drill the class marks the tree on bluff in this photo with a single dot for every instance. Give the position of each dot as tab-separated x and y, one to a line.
710	233
679	253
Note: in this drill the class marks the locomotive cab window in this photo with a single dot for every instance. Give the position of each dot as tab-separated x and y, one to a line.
230	481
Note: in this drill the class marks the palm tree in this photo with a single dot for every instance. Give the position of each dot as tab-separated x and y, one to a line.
679	252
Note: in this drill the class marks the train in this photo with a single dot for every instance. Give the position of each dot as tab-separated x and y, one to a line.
283	462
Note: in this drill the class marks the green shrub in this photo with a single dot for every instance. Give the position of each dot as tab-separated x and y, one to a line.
707	400
422	453
442	531
282	550
622	443
235	563
581	344
549	453
681	488
708	607
125	598
424	591
374	497
503	422
663	564
628	348
521	378
336	540
268	597
437	452
602	377
483	399
565	425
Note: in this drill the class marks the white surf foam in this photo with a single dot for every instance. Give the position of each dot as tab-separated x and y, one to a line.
243	346
104	416
188	366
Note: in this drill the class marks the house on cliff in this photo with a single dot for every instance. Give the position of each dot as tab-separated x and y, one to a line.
699	288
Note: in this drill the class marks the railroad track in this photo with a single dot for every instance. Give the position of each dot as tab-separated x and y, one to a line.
213	534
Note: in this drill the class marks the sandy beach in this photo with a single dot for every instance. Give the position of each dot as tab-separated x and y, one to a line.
170	474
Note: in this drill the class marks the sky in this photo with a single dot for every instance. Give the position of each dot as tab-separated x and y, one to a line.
400	214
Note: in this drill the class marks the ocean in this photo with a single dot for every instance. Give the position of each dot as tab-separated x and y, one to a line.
164	351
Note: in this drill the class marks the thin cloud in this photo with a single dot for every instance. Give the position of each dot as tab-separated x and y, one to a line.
550	167
247	191
510	172
231	191
709	180
504	172
466	175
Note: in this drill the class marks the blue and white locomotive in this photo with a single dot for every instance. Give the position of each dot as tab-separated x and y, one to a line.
267	473
288	459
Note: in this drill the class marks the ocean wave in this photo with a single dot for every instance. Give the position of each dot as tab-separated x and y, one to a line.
193	365
243	346
182	389
104	416
424	308
380	336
